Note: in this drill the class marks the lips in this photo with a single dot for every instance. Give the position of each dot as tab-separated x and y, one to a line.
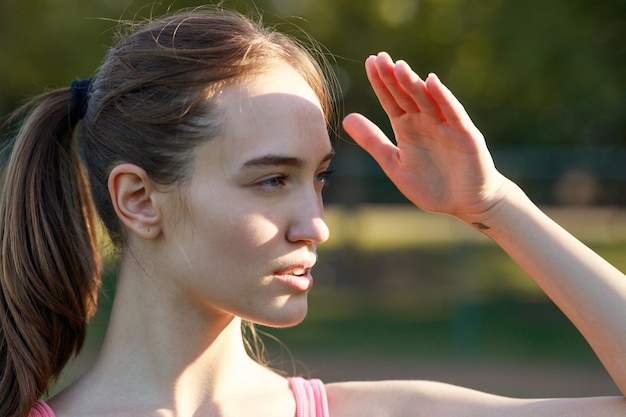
296	265
296	270
297	276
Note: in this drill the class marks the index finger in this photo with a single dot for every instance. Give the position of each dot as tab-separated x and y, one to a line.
375	65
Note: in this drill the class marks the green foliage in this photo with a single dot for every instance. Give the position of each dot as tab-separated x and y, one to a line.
549	72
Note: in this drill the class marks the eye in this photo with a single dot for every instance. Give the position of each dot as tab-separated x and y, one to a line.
324	177
274	182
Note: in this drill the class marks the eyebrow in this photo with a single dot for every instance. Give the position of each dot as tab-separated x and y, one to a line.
276	160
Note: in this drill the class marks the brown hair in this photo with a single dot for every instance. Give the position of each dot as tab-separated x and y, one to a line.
150	104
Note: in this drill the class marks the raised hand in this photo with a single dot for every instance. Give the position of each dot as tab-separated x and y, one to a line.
440	161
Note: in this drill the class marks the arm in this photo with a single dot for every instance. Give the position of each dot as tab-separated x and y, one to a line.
427	399
590	291
441	163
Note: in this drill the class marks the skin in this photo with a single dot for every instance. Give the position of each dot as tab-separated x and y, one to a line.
238	240
174	346
440	162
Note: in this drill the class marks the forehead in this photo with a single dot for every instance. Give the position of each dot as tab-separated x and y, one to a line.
273	112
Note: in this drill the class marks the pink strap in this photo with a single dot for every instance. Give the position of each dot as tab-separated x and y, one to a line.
41	409
310	396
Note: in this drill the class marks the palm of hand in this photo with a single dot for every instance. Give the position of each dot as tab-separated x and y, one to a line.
441	162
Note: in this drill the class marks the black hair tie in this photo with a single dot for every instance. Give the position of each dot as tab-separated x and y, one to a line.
80	97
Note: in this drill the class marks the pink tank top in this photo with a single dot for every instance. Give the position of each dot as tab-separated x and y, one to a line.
41	409
310	396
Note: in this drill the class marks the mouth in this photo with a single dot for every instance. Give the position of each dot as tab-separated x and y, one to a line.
297	277
297	271
296	266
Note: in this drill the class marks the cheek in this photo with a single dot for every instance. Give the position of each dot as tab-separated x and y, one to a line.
249	232
231	223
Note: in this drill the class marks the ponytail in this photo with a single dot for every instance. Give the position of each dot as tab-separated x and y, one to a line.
152	103
50	265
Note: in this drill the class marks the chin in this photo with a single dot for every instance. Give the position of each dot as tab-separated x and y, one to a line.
288	314
285	324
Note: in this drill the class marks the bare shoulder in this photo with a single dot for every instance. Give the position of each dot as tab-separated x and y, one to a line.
428	398
407	399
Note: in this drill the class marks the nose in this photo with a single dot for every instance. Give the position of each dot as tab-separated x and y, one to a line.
308	223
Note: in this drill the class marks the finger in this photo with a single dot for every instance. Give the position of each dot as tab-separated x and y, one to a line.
386	99
416	87
387	73
450	106
371	138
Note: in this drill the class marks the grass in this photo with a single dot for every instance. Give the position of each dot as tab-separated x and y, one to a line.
507	327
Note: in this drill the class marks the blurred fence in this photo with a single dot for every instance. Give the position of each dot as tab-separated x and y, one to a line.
554	175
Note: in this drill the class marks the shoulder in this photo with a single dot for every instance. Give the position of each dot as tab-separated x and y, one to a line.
402	398
428	398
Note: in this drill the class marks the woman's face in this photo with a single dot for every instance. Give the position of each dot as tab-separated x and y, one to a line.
244	240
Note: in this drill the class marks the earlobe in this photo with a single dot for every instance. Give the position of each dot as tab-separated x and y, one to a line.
132	194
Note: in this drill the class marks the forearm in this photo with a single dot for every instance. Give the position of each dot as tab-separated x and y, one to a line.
590	291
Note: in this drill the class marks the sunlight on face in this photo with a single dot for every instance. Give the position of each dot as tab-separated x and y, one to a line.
247	240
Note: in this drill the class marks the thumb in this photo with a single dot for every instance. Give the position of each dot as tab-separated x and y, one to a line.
369	136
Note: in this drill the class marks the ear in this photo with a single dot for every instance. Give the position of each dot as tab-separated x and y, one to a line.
133	196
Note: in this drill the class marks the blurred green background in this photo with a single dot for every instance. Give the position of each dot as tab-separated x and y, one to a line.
400	293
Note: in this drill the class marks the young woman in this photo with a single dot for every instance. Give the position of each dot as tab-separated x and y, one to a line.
206	149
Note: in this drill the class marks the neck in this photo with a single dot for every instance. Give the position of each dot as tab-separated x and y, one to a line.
172	353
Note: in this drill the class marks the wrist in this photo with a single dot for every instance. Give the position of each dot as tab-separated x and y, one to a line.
499	210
